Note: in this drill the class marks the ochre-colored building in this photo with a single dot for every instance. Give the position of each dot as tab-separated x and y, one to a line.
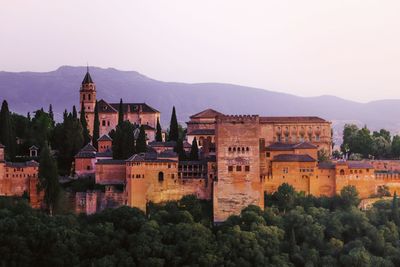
20	178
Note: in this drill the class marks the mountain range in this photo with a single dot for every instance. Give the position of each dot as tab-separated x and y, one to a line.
28	91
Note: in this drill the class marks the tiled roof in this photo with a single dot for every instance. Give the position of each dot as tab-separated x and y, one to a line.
111	162
359	165
106	154
31	163
202	132
104	107
135	107
326	165
162	144
87	151
148	157
288	147
33	148
300	119
148	127
169	153
208	113
105	137
87	79
293	158
187	145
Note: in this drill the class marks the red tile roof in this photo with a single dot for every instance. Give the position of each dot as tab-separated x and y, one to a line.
301	119
208	113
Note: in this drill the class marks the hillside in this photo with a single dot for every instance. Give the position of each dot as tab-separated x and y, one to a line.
27	91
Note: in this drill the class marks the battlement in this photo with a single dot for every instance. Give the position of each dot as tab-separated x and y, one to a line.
238	119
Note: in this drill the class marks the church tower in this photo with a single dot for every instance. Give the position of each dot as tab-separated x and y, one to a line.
88	98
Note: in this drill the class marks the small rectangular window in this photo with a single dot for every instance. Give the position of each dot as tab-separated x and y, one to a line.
247	168
103	123
230	168
268	154
238	168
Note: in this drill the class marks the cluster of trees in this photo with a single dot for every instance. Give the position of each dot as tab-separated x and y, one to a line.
293	230
366	144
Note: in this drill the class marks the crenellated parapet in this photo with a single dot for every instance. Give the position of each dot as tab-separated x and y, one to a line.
238	119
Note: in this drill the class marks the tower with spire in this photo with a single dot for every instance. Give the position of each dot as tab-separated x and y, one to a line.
87	94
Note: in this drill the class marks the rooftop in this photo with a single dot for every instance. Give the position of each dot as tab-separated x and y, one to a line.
288	147
202	132
31	163
208	113
294	119
134	107
105	137
293	158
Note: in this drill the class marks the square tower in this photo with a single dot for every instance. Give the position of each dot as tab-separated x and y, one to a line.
238	182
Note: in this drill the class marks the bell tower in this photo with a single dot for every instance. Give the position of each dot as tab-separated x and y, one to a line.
87	94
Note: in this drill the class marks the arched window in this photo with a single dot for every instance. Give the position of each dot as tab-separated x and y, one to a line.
84	97
160	176
89	96
342	172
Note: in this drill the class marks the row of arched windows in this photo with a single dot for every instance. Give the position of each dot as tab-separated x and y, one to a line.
238	149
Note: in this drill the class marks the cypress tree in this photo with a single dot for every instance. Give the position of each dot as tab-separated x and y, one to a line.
29	116
180	150
65	114
194	151
395	210
159	131
51	114
74	113
48	178
85	131
120	112
7	134
141	145
123	144
173	127
96	126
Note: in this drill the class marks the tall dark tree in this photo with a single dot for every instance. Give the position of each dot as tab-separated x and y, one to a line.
123	145
29	116
395	210
120	112
173	127
48	178
179	149
194	151
159	131
74	113
85	130
7	134
51	114
96	126
141	145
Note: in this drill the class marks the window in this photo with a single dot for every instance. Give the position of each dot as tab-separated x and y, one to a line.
172	176
229	149
247	168
108	123
103	123
268	154
88	167
89	96
341	172
278	137
238	168
285	170
247	148
317	138
230	168
169	166
84	97
160	176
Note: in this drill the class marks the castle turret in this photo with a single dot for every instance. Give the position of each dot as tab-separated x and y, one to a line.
87	94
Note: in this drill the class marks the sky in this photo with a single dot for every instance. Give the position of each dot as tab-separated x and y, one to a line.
346	48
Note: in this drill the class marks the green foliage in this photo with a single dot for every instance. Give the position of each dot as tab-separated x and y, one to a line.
85	130
180	233
7	132
349	196
96	126
159	131
194	151
68	139
141	145
173	127
395	210
120	112
323	155
48	178
179	149
123	145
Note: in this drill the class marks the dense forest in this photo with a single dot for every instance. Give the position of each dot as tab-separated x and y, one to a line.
293	230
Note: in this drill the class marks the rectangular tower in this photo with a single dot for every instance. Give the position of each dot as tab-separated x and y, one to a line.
238	183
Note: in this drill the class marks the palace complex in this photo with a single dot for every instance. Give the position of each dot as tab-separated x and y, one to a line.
241	157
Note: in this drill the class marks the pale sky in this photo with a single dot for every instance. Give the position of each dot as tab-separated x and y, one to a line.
346	48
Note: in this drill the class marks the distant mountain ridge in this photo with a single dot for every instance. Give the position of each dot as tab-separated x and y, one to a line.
28	91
